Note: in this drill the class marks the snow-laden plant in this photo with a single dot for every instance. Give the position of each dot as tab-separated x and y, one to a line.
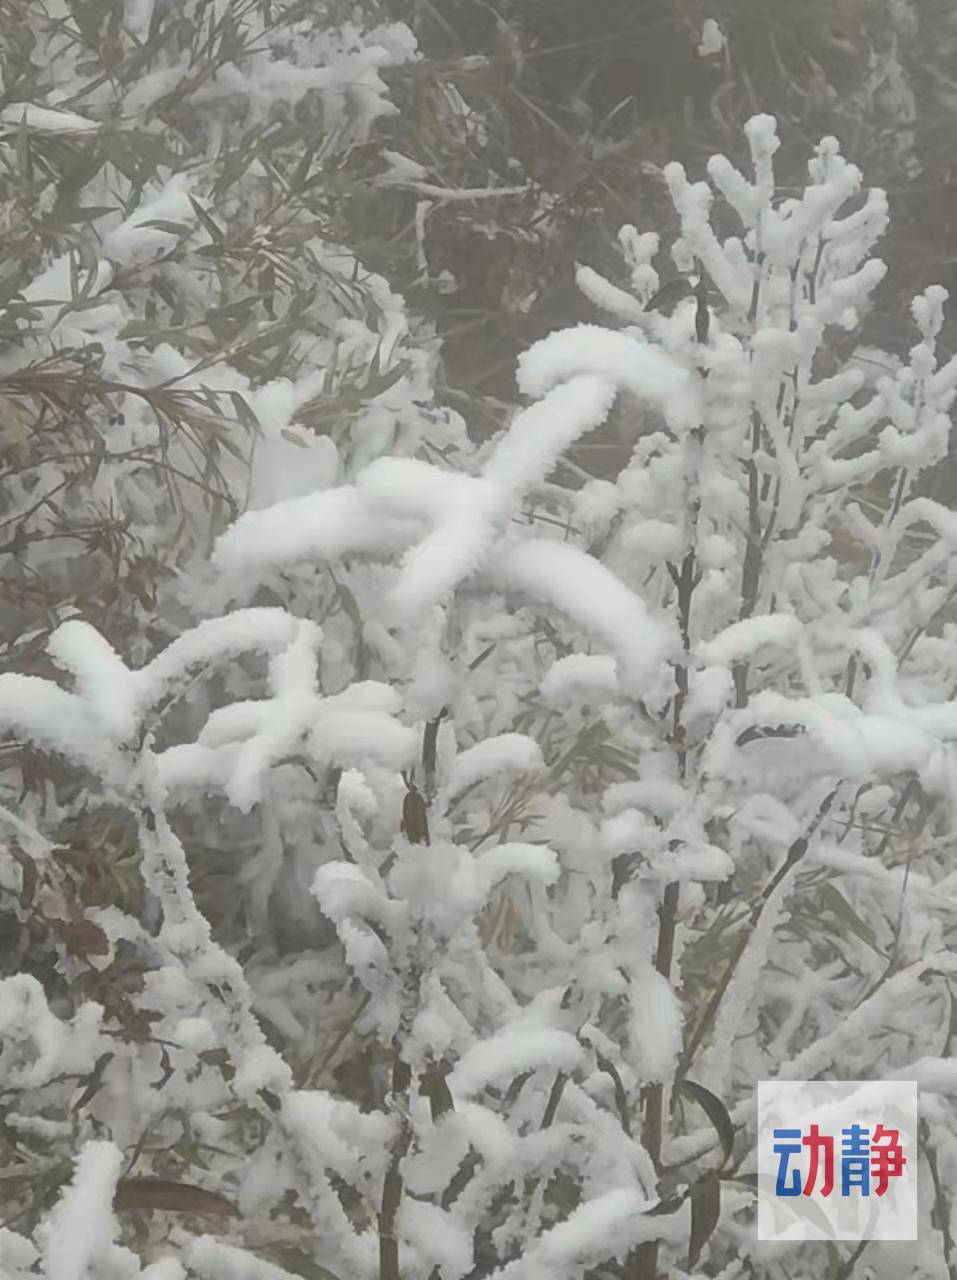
712	688
180	293
189	1047
626	797
187	329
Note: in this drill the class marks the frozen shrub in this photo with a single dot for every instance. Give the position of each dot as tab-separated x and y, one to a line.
638	793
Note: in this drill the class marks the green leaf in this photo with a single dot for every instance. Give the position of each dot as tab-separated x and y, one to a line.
164	1195
835	902
298	1263
666	1207
163	224
716	1112
349	603
670	294
266	285
378	382
298	179
231	447
705	1214
243	411
214	231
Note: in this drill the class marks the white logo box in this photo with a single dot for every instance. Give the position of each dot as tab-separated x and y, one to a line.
834	1106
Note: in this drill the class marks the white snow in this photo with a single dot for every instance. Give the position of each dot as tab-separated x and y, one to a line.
534	862
656	1026
323	526
511	752
102	680
54	720
46	119
582	588
407	173
81	1228
618	358
206	1256
580	676
439	1238
712	39
512	1051
540	434
933	1075
609	297
743	639
133	242
606	1226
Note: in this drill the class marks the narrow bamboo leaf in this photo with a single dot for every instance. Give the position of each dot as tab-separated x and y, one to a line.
415	817
705	1214
834	901
162	1194
670	294
715	1110
215	233
28	874
433	1086
243	411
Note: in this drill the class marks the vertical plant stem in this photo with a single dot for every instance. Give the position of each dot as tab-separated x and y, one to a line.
399	1105
392	1186
846	1269
795	855
753	559
430	738
642	1262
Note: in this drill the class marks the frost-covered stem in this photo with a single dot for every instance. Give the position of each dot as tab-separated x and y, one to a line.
642	1263
942	1210
846	1269
881	561
759	261
684	580
392	1186
340	1038
430	737
753	558
400	1102
185	932
795	855
531	1186
903	801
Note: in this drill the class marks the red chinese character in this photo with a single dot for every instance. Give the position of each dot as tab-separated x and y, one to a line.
816	1142
887	1157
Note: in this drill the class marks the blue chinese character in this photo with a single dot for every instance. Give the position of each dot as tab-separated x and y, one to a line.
855	1159
789	1145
